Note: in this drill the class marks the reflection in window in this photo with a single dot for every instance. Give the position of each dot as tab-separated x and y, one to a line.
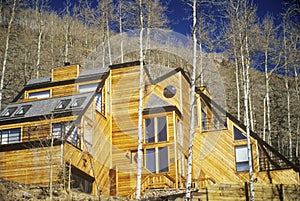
163	161
238	134
150	160
87	87
78	102
59	130
39	94
157	159
156	129
10	136
63	104
22	110
8	111
241	158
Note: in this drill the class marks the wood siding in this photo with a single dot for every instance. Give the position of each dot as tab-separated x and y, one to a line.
31	165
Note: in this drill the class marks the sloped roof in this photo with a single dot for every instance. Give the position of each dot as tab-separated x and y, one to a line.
44	107
155	101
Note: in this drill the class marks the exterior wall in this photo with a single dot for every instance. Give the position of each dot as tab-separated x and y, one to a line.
30	165
214	161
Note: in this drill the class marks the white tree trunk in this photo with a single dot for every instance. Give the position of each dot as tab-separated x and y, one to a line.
121	30
140	112
287	91
192	100
6	50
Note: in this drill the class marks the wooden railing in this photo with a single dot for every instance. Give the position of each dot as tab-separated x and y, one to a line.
154	181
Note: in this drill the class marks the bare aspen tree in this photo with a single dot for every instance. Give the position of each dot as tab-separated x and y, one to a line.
8	35
192	100
40	5
140	109
241	14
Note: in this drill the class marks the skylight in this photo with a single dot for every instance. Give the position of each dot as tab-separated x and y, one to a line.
63	104
8	111
22	110
78	102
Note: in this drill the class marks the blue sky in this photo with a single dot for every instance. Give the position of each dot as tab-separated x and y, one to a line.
178	13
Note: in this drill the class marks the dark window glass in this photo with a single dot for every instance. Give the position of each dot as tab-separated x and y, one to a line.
63	104
57	130
150	133
78	102
8	111
163	159
161	129
238	135
150	160
169	91
22	110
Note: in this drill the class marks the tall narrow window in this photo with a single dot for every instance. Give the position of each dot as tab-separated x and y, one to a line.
57	130
163	159
203	116
241	158
150	160
162	129
156	129
150	132
99	107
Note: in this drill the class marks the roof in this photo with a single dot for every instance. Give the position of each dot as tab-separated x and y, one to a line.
84	74
155	101
44	107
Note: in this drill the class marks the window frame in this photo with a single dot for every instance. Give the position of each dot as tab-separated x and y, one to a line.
39	94
9	133
242	160
155	164
159	133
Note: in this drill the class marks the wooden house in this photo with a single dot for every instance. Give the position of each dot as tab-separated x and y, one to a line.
87	120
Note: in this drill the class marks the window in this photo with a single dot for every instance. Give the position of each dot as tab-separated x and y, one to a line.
241	158
157	159
61	129
99	107
22	110
10	136
78	102
87	87
179	133
8	111
203	116
238	134
39	94
156	129
169	91
63	104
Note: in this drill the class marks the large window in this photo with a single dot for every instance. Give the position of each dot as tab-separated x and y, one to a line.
241	158
156	129
10	136
157	159
39	94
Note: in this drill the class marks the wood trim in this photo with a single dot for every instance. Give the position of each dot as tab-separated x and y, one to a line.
165	109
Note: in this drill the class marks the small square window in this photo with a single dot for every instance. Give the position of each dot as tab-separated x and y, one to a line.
22	110
63	104
8	111
78	102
